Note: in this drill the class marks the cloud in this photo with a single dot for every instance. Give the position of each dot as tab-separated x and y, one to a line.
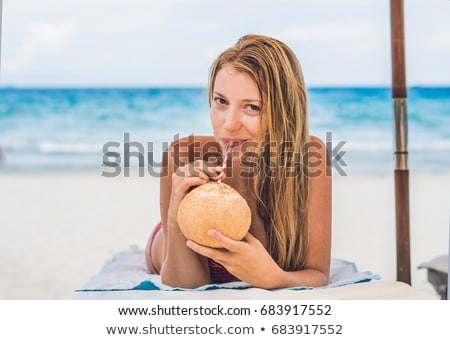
48	38
171	41
42	40
334	32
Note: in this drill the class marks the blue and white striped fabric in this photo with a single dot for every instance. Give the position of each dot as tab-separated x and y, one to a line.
127	271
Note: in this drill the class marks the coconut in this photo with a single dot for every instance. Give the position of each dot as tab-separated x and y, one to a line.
213	206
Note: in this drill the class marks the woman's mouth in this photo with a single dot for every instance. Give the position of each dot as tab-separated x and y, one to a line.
233	142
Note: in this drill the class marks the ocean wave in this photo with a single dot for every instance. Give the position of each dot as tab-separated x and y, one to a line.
71	148
71	126
54	147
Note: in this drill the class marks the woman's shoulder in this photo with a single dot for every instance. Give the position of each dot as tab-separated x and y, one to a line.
316	139
191	148
316	143
317	151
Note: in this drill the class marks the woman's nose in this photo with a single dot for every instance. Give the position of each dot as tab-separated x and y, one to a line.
233	119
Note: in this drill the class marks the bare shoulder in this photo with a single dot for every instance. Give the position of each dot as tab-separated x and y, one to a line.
190	148
193	144
317	157
316	147
316	142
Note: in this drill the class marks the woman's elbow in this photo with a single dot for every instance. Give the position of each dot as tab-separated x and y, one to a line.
325	279
174	279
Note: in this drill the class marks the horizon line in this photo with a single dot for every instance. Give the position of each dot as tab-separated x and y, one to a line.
196	87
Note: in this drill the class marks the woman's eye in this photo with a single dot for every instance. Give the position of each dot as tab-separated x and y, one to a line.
220	101
253	107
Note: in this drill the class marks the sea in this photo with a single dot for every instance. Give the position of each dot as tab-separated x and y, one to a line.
74	128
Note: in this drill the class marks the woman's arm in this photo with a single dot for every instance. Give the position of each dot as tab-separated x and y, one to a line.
181	266
316	272
317	268
249	260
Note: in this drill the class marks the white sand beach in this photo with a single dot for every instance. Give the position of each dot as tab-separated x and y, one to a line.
59	228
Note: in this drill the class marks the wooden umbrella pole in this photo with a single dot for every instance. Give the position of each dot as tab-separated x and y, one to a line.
401	171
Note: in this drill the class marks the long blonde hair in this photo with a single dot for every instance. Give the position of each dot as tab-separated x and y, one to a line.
282	190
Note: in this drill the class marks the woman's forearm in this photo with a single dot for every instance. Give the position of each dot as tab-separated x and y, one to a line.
181	266
305	277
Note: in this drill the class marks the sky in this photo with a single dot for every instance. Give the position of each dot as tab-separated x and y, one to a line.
173	42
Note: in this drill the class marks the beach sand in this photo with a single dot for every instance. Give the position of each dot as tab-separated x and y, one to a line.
59	228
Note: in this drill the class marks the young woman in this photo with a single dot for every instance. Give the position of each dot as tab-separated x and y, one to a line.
257	97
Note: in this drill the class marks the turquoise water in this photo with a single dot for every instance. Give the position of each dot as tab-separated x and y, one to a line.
67	128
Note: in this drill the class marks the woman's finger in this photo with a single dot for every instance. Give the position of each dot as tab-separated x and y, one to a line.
194	181
202	250
207	168
224	241
198	169
250	238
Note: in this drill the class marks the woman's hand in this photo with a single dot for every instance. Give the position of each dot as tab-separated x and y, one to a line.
247	260
185	177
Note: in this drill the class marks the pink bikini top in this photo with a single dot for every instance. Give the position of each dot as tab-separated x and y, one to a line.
219	274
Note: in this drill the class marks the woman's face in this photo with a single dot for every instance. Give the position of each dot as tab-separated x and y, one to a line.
236	107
